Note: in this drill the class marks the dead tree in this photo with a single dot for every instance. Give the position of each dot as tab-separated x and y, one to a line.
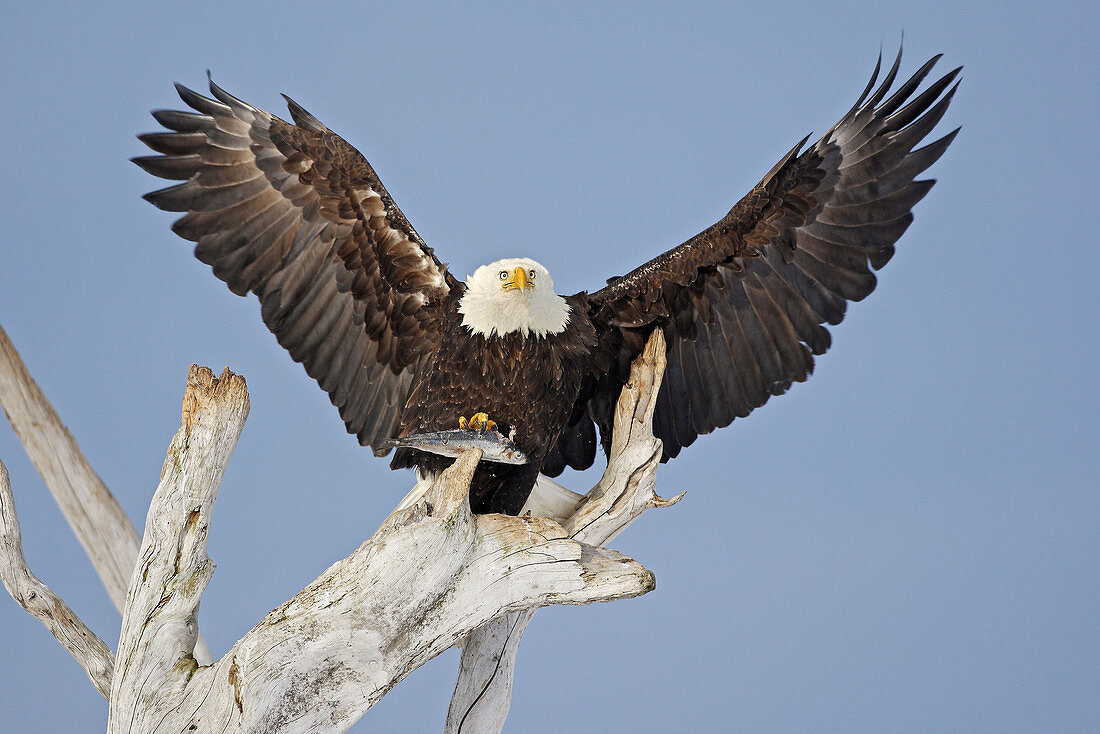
433	576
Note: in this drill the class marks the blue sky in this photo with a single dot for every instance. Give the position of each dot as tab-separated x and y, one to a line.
907	542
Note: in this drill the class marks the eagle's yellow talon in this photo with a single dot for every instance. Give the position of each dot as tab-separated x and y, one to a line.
477	422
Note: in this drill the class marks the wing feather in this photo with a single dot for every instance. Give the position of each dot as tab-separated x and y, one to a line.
724	356
693	387
744	303
294	214
793	354
722	392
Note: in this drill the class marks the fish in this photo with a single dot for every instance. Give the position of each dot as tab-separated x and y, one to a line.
494	445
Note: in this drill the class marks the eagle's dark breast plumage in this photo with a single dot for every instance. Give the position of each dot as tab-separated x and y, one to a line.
527	384
296	215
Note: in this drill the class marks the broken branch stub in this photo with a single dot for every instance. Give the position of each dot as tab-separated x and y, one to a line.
159	627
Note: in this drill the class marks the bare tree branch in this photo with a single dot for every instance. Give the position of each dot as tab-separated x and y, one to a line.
38	599
159	624
483	691
628	485
97	519
99	522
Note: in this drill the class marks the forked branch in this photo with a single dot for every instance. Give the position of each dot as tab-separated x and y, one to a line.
483	691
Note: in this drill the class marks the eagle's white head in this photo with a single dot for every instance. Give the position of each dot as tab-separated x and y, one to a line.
515	294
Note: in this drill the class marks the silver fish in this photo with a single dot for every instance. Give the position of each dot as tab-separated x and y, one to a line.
494	445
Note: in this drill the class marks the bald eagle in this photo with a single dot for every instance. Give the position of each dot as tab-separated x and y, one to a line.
294	214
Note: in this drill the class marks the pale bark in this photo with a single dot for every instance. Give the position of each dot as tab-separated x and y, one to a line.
46	606
159	624
483	691
97	519
99	522
431	573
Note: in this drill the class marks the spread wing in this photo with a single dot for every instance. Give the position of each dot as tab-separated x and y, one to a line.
294	214
743	303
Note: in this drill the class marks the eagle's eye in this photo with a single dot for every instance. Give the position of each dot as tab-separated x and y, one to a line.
531	274
503	274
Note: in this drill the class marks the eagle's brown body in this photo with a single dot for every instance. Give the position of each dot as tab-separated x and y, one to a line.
524	383
296	215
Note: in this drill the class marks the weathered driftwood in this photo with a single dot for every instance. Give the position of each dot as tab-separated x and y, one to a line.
430	575
97	519
627	488
46	606
99	522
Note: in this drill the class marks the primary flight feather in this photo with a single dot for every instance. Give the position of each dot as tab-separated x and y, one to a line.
294	214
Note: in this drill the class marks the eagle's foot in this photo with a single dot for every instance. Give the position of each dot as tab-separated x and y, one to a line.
477	422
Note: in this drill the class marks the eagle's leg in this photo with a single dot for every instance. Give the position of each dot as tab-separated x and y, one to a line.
477	422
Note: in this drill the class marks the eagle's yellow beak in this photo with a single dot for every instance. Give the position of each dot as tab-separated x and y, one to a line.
518	280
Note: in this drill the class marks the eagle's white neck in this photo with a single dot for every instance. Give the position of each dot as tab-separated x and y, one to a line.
489	310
